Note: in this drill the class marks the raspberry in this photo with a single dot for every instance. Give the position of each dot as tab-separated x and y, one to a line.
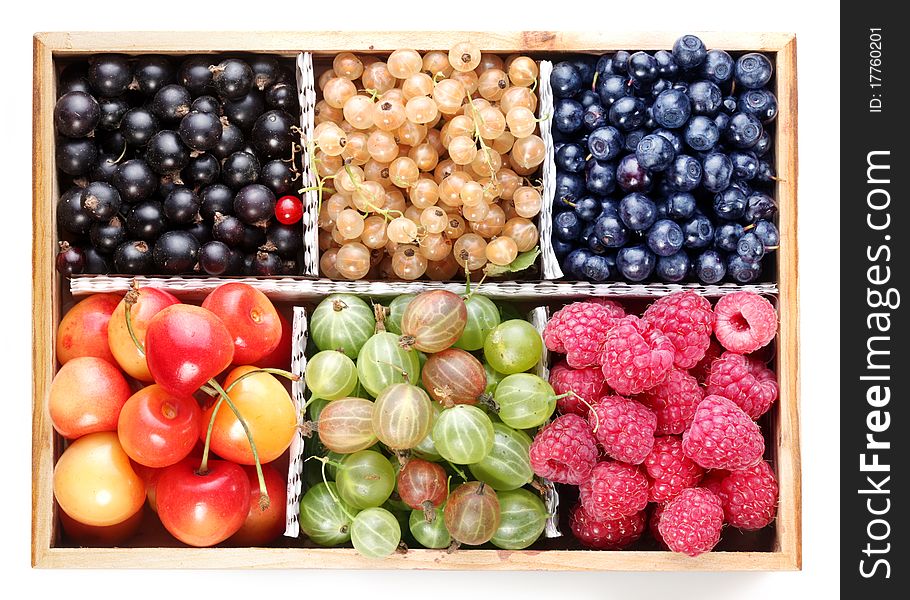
687	319
712	480
564	451
587	382
674	402
606	535
691	523
654	522
701	370
669	471
745	322
614	490
636	357
578	331
722	436
615	307
749	497
624	428
745	381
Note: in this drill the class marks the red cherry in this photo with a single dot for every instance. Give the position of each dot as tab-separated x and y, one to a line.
203	509
157	428
250	317
288	210
185	346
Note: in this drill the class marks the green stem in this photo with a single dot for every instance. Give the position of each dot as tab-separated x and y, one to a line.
325	479
457	470
279	372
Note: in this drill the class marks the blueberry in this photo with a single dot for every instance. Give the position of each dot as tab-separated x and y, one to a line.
587	208
699	232
655	152
588	98
637	211
680	206
666	64
611	231
595	116
673	268
701	133
752	70
569	187
673	138
605	143
730	204
689	51
727	235
729	105
590	240
611	88
717	169
596	268
665	237
565	80
743	270
628	113
763	144
705	97
744	130
671	109
721	121
750	247
585	65
604	65
760	103
575	262
661	85
600	177
609	206
636	263
642	67
561	248
571	158
768	234
759	206
631	176
621	62
745	164
765	173
684	174
718	67
742	186
567	226
568	115
710	267
633	138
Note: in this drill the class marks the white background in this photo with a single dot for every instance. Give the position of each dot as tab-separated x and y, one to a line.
818	33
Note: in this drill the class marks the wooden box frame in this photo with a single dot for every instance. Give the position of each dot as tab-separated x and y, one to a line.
47	295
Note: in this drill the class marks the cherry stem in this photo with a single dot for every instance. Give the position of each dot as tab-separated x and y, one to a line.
203	467
129	300
279	372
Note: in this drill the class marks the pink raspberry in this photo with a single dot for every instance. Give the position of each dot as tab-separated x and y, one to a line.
745	381
745	322
749	497
691	523
564	451
669	471
606	535
636	356
615	307
614	490
587	382
722	436
653	525
673	401
711	481
701	370
578	331
687	319
624	428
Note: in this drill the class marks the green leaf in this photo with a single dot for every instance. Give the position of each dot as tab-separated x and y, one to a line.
521	262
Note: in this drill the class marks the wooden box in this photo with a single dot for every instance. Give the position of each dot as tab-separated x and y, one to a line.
50	292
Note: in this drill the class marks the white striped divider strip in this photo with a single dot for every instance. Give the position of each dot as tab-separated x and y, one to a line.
549	264
538	318
307	93
296	453
296	288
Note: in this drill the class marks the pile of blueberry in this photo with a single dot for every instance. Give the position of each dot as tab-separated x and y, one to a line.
171	167
663	165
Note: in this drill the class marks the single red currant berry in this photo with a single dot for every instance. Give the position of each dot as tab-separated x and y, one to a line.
288	210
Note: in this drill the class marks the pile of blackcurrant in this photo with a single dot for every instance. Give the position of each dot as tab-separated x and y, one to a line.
178	167
664	165
421	420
